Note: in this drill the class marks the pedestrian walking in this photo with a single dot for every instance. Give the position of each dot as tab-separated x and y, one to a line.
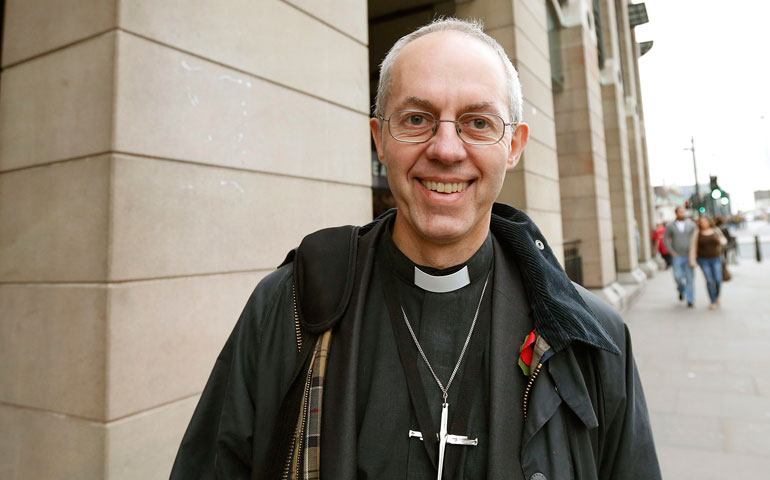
657	238
677	240
706	249
729	251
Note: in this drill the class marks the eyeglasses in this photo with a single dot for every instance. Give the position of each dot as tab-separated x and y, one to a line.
414	126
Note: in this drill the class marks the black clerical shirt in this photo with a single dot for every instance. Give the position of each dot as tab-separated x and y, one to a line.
441	322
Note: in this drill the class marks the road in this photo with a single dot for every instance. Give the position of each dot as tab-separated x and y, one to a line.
746	236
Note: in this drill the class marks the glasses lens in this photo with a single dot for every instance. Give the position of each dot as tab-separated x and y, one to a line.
411	126
481	128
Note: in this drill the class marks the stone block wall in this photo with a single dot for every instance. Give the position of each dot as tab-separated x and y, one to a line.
639	181
582	154
533	185
156	160
616	136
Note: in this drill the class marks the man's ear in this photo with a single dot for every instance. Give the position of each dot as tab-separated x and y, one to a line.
518	141
376	128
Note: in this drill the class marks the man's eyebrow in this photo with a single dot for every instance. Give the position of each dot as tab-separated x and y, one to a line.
419	102
428	106
479	107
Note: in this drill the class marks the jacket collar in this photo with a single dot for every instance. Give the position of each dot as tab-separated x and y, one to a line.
325	266
560	314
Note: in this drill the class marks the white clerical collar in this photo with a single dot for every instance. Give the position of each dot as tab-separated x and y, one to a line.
443	283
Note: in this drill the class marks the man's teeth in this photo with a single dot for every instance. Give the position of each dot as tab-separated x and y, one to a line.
445	187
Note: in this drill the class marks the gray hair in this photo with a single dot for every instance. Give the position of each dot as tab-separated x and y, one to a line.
472	28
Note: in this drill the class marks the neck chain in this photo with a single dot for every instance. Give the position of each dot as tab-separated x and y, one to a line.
444	389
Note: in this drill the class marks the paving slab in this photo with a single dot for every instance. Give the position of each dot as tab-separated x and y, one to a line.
699	464
706	374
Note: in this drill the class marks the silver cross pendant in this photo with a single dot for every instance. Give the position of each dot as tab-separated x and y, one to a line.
444	438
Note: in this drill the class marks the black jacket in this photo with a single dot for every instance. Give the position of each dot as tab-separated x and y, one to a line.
587	417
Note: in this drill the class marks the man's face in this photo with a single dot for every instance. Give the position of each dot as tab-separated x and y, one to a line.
680	213
447	74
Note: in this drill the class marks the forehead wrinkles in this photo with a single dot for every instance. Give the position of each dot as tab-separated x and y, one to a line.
434	64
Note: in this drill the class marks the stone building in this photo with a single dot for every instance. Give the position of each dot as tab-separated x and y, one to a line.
157	158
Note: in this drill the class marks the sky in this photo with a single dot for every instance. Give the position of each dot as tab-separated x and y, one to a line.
707	76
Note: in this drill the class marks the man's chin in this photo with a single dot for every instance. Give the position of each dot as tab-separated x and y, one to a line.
445	231
442	226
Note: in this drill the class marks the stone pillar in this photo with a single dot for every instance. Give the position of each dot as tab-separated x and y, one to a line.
639	180
156	160
618	161
582	152
651	220
533	186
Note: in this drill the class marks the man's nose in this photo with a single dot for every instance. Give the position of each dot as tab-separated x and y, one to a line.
446	145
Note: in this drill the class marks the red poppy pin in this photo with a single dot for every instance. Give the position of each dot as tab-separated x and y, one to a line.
526	351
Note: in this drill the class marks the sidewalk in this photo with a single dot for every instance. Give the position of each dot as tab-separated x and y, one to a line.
706	374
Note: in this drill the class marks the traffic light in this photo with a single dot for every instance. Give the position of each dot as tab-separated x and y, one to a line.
716	192
702	210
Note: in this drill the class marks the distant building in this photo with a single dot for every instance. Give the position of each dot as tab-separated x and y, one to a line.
667	199
762	200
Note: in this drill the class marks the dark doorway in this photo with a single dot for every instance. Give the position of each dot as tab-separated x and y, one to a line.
389	20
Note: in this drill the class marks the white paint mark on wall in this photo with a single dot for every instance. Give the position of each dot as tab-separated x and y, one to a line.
234	184
189	67
231	79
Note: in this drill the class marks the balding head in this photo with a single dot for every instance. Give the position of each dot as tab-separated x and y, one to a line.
474	31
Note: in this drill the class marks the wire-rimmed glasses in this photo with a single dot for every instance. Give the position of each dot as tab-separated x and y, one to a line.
414	126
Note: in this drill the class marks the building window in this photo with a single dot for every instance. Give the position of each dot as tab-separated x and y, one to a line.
555	24
599	32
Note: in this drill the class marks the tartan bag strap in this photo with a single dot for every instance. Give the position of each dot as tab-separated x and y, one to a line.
306	447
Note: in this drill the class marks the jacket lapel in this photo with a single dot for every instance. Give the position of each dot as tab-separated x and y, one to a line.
509	305
544	401
570	383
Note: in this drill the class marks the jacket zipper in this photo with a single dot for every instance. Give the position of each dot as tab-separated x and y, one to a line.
305	413
527	391
287	466
298	332
297	328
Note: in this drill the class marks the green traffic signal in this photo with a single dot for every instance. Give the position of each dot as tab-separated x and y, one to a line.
702	209
716	194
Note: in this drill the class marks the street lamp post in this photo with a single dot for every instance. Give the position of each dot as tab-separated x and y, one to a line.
695	169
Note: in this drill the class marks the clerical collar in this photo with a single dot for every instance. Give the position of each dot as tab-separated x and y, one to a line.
440	280
442	283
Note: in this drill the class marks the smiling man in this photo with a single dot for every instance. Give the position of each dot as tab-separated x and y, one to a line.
445	175
443	340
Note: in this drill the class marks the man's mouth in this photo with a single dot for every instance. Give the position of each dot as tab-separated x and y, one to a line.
445	187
